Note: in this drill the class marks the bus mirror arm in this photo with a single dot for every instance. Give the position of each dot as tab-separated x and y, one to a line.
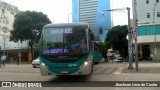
92	36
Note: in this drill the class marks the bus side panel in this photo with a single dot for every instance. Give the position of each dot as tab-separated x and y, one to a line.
97	56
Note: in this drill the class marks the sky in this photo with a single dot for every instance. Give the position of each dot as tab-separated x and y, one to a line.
59	10
121	17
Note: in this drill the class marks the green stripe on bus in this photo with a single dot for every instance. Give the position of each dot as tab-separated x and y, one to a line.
97	56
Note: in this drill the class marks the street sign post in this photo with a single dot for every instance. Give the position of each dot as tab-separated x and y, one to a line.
134	36
134	28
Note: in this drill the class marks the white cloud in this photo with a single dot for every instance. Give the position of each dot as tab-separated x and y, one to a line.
58	10
121	17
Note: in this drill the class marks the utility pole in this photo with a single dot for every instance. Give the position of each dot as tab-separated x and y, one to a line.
129	35
135	23
155	41
0	50
129	41
68	16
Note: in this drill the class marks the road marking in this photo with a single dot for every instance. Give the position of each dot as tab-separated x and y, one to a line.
110	70
119	70
104	70
98	70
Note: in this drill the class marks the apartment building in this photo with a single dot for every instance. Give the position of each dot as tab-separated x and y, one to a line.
147	13
11	49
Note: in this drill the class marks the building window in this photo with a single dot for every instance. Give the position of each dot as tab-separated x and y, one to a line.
158	14
157	1
3	11
147	1
148	15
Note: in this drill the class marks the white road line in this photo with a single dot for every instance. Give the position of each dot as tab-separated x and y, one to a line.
119	70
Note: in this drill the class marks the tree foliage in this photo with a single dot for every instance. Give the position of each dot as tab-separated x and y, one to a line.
104	49
27	25
116	39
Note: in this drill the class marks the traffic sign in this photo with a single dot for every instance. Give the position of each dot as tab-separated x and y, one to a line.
134	28
134	36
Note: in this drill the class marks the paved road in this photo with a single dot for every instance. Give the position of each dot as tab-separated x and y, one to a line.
99	69
102	72
27	68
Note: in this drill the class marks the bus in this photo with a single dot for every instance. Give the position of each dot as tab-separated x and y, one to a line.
97	53
66	49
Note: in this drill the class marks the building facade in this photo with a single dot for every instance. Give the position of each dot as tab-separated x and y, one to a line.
147	13
90	11
11	49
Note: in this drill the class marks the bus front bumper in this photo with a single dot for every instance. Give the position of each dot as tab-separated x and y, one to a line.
85	69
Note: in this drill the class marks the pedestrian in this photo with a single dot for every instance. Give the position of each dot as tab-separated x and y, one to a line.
17	59
3	59
0	62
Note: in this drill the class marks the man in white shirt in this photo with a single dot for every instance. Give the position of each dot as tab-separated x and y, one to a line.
3	58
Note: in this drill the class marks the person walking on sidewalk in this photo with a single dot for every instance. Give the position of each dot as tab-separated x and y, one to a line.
17	59
3	59
0	62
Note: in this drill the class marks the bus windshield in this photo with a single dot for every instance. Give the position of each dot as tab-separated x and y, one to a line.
64	40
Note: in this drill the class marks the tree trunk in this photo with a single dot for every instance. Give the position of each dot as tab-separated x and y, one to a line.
31	44
32	52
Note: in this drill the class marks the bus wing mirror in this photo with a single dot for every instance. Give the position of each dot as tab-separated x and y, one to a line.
92	36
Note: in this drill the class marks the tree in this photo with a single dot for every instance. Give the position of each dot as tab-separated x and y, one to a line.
116	39
104	50
28	26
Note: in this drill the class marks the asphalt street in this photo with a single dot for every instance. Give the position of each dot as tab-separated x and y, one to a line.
102	72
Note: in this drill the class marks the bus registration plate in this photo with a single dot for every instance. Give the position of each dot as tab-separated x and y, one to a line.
64	72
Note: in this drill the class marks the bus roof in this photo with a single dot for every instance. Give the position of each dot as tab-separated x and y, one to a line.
66	25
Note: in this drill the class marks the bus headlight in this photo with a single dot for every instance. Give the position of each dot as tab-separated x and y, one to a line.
86	63
43	64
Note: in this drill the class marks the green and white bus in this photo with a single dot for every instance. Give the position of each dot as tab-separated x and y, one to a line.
66	49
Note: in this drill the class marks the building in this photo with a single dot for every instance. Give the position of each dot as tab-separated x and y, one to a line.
147	13
7	13
90	11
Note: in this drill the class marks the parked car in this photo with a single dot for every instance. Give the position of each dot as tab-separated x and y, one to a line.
36	62
118	58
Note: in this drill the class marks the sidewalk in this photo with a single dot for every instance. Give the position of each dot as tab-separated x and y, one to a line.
21	68
143	67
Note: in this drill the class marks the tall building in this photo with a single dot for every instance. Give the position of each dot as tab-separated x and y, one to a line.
11	49
90	11
7	13
147	13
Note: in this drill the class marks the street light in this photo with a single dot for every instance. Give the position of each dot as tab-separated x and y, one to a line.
155	41
129	35
0	50
135	24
